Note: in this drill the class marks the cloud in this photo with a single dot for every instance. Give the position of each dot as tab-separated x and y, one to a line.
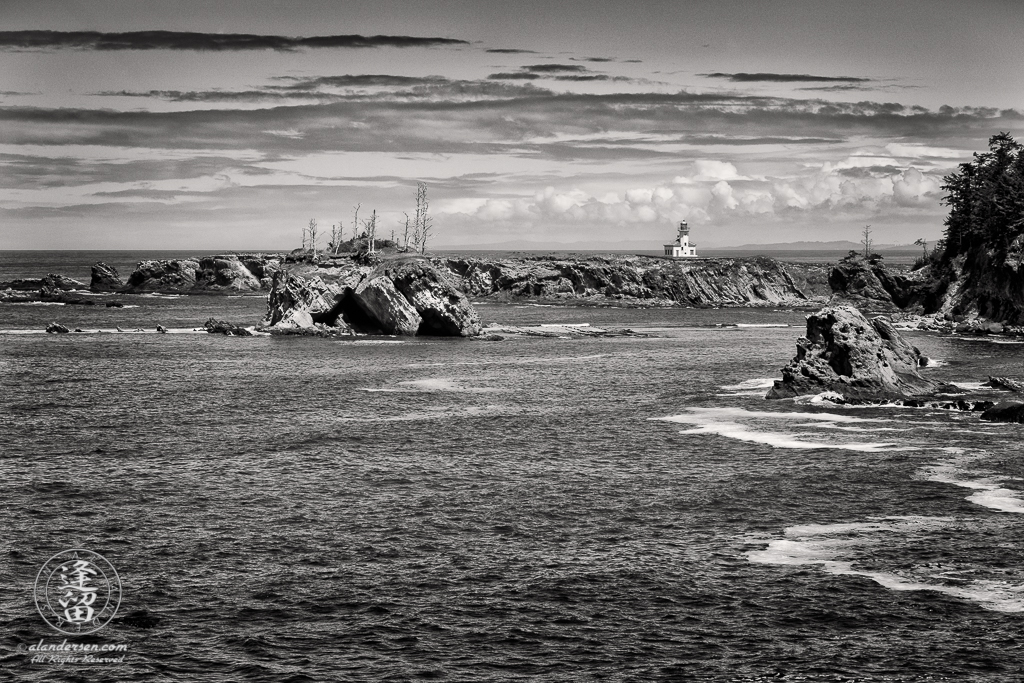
554	68
783	78
913	188
177	40
359	81
593	59
715	170
514	76
510	51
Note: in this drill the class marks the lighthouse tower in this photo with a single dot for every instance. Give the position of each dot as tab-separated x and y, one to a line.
682	247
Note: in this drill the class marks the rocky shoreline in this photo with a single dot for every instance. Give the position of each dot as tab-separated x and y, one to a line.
352	283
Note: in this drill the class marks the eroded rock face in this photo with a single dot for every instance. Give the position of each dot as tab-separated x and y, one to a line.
846	353
178	275
386	306
222	273
404	297
444	310
105	279
700	282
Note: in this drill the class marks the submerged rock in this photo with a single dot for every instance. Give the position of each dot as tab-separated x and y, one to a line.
1005	411
214	326
846	353
105	279
56	328
1006	383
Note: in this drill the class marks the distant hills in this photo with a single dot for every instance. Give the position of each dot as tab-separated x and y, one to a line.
634	246
838	245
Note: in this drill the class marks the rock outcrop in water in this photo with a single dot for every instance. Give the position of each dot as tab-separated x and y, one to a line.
403	296
845	353
1005	411
105	279
229	273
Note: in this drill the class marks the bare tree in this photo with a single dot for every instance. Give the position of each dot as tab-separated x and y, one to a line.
424	222
312	231
337	235
924	247
868	244
405	241
418	217
355	221
425	233
371	231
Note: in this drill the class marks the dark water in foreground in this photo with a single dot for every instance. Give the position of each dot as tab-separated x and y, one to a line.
541	509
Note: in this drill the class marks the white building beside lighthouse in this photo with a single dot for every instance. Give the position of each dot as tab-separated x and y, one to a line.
682	247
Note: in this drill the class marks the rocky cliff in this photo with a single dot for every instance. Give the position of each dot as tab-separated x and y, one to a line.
403	296
752	282
208	274
861	359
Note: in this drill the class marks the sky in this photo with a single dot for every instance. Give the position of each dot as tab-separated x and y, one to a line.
229	125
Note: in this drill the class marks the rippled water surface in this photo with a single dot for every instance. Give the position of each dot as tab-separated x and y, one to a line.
530	509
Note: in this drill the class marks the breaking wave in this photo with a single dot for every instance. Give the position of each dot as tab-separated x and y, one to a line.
834	547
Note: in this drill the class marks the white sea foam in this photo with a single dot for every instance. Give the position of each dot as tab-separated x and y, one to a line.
565	325
698	415
760	383
373	342
936	363
761	325
732	423
971	386
34	303
989	490
433	384
824	544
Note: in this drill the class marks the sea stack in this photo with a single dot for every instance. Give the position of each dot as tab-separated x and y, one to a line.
861	359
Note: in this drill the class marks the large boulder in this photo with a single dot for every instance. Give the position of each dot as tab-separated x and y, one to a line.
207	274
404	297
381	302
1005	411
225	273
846	353
176	275
105	279
443	309
303	302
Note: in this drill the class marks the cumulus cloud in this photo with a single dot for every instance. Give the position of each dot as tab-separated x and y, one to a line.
709	169
913	188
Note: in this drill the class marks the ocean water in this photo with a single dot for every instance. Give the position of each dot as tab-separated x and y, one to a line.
541	509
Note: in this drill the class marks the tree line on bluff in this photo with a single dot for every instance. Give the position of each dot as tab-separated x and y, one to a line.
980	257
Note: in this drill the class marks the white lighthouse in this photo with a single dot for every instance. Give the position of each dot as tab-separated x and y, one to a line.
682	247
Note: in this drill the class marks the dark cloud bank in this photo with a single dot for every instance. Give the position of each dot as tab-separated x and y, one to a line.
175	40
784	78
